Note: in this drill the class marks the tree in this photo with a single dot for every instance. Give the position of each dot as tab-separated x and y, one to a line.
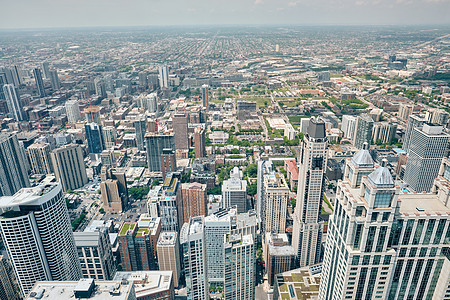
252	170
252	189
138	192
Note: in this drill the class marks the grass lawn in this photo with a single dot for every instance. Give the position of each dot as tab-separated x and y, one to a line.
260	102
295	120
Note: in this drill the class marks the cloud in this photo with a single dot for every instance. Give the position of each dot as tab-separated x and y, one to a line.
258	2
292	4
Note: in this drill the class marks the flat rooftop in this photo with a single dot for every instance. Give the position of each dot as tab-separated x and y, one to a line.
299	284
167	239
422	204
147	282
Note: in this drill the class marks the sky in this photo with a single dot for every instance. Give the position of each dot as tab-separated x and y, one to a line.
94	13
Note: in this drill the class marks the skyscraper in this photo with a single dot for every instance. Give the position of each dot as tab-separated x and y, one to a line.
279	256
36	230
384	132
428	146
363	131
383	242
405	110
180	129
143	80
192	239
114	190
205	96
109	136
54	80
163	77
94	137
73	111
239	266
308	226
39	82
39	155
194	200
13	173
69	167
168	248
155	143
275	197
168	162
140	125
8	284
46	68
414	121
234	191
100	87
199	142
264	168
13	102
348	126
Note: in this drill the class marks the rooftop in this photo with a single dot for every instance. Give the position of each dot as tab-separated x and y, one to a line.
167	239
301	284
147	283
127	227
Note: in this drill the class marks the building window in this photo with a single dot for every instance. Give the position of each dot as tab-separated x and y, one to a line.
382	200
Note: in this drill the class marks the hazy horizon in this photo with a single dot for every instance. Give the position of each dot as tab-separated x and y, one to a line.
59	14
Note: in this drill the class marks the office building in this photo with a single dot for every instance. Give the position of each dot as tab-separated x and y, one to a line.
155	144
414	121
39	82
234	191
194	200
163	77
383	132
308	227
73	111
114	191
225	221
348	126
199	142
46	68
100	87
109	136
137	244
13	102
275	197
143	80
192	240
39	155
278	255
384	242
405	110
95	251
8	285
140	125
94	137
69	167
107	158
37	234
168	249
264	168
428	146
56	85
85	288
168	162
205	96
180	129
13	172
239	267
363	131
149	285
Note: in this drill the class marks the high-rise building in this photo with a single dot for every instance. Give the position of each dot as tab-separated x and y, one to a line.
205	96
168	249
278	255
56	85
140	125
94	137
180	129
39	155
13	102
39	82
100	87
168	162
137	244
46	68
13	172
384	132
199	142
8	286
114	191
405	110
73	111
264	168
69	167
428	146
155	143
92	114
363	131
234	191
384	242
225	221
143	80
275	197
95	251
437	116
414	121
239	267
192	240
37	233
109	136
163	77
149	102
348	126
308	227
194	200
154	285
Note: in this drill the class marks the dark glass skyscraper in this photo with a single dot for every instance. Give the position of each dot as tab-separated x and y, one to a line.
94	137
39	82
